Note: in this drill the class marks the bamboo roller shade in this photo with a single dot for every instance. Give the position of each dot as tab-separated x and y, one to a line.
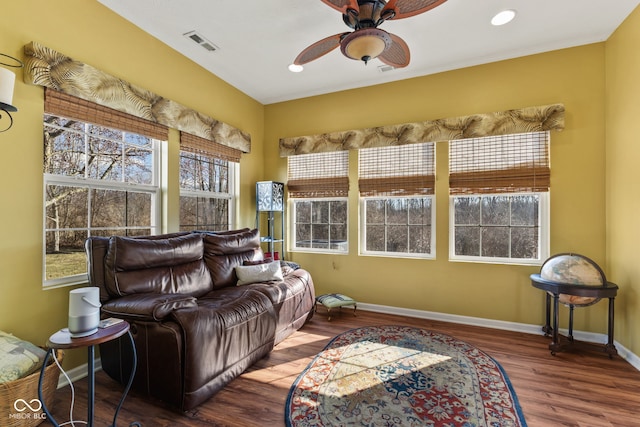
319	175
500	164
71	107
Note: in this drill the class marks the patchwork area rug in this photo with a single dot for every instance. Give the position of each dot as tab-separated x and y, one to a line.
402	376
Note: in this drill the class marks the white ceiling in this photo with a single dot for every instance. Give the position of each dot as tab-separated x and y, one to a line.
258	39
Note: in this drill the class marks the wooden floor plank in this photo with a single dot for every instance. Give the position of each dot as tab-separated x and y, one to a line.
575	388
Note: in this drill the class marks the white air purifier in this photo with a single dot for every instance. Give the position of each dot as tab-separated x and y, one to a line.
84	311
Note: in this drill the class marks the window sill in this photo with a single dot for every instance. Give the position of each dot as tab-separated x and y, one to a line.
398	255
318	251
64	284
519	262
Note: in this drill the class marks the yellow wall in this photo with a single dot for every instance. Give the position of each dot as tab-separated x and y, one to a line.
623	176
574	77
89	32
580	208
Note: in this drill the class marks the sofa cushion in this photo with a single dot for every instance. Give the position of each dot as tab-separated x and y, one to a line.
96	249
291	298
258	261
224	252
265	272
130	253
229	331
147	306
172	265
231	243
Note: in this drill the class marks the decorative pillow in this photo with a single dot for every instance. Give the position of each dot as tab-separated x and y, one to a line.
266	260
248	274
18	358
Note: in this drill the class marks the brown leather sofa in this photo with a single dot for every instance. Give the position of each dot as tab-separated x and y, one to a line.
194	329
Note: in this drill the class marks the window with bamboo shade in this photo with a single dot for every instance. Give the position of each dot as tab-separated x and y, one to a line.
101	178
396	186
499	190
318	186
207	184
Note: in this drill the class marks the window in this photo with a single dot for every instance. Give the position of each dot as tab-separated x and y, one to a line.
318	186
98	181
396	200
499	210
208	174
101	178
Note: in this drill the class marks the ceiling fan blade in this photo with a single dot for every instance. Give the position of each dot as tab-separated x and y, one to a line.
318	49
397	55
407	8
342	5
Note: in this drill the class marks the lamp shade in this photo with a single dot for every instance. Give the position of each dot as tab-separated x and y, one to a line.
269	196
7	82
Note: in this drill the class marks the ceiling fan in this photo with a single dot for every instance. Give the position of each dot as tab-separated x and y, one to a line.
367	41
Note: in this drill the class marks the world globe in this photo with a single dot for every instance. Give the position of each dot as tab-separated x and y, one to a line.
573	269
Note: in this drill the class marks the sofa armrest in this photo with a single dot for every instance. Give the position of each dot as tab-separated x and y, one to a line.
147	306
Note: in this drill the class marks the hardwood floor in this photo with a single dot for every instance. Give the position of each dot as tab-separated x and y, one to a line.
579	388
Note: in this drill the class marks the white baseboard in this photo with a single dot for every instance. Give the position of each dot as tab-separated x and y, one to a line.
78	373
623	352
81	371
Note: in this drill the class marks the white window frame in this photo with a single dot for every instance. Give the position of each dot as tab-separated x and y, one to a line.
363	230
95	184
543	232
342	250
389	173
231	196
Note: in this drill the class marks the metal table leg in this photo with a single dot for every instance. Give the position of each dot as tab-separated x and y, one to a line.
91	384
547	326
40	396
610	348
555	344
128	386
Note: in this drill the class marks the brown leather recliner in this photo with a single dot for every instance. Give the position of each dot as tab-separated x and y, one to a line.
194	329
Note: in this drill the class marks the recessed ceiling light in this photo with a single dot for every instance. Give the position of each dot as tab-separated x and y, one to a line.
503	17
294	68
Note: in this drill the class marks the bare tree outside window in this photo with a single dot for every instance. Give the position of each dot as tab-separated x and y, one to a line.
318	187
206	192
98	182
497	226
320	224
396	186
398	225
499	198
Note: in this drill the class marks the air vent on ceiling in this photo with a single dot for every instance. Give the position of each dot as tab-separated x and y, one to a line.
198	38
385	68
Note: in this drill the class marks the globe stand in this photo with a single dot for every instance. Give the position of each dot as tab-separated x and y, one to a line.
554	290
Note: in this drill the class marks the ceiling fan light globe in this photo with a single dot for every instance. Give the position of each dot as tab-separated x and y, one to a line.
365	44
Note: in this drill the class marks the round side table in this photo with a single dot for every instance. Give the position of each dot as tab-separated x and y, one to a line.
63	340
554	289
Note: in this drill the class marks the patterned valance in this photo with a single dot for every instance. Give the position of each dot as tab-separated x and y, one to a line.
49	68
531	119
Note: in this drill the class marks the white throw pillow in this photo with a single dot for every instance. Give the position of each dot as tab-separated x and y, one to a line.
248	274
